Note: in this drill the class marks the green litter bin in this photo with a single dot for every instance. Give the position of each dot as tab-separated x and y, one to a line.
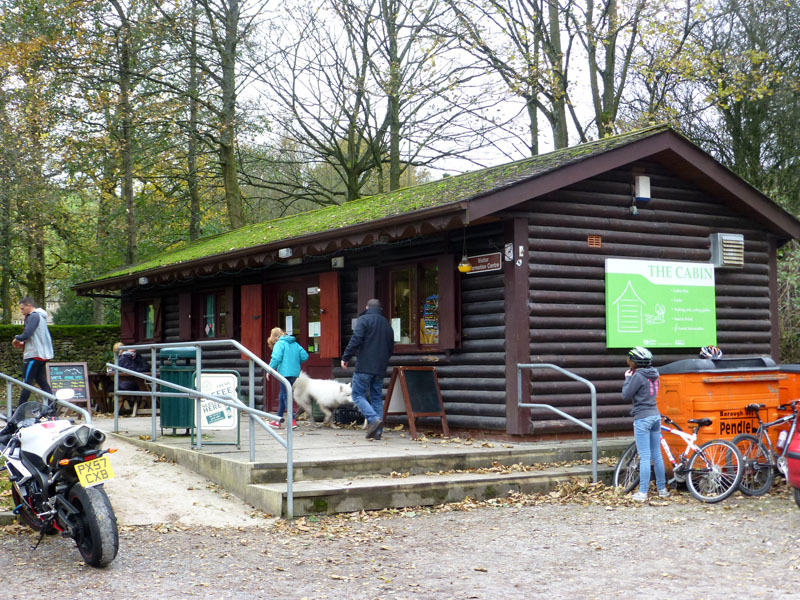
176	367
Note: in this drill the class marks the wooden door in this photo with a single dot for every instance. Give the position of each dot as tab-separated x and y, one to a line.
252	319
298	310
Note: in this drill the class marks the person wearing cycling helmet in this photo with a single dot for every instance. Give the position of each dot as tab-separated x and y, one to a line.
710	352
641	388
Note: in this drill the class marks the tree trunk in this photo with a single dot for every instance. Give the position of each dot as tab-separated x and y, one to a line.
35	280
6	162
33	208
389	15
191	158
227	150
533	126
559	84
98	311
108	198
126	132
5	251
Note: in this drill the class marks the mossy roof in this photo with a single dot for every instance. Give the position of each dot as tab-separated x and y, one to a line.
448	190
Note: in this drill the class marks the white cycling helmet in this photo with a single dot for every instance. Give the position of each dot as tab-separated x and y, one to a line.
641	356
710	352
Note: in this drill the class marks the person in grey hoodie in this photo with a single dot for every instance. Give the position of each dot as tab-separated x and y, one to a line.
38	347
641	389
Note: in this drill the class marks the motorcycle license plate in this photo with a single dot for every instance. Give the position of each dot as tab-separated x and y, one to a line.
94	472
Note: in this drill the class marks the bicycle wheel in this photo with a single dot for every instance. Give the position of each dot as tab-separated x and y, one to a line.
758	472
796	494
715	471
626	475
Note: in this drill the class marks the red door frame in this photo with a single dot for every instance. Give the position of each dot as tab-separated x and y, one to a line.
316	366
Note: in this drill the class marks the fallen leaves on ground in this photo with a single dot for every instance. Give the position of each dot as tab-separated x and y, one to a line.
575	491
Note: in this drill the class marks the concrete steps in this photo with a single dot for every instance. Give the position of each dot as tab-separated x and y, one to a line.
339	471
328	496
371	466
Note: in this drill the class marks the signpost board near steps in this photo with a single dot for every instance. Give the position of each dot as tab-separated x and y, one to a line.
414	392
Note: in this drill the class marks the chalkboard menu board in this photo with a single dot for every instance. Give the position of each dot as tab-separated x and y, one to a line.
75	376
414	391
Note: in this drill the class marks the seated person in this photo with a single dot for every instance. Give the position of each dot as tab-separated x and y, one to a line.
133	361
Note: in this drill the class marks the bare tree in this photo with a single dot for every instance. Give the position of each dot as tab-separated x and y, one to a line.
320	99
522	41
425	83
360	84
610	32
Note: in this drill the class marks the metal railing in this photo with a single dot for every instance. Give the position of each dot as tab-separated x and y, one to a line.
11	382
256	416
592	428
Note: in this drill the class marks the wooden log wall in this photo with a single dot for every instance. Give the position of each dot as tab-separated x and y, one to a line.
215	358
472	378
567	284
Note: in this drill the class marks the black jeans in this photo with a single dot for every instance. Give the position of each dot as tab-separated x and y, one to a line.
34	371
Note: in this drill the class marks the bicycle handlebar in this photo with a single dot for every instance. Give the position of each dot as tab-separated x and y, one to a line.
669	421
790	406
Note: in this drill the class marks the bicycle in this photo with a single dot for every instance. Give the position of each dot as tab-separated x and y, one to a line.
761	459
712	471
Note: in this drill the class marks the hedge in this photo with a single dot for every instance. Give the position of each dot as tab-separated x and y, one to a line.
71	343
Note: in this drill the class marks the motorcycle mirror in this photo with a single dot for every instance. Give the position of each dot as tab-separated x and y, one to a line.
65	394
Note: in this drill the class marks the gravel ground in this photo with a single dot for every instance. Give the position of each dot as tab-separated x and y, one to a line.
583	543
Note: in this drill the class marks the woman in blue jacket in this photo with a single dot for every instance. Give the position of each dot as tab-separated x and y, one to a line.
287	356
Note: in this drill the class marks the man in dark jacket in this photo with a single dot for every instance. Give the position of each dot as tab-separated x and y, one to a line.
373	343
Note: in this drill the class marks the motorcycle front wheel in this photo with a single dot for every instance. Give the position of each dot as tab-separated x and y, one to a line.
96	533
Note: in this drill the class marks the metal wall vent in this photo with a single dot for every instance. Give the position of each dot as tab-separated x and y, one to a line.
727	250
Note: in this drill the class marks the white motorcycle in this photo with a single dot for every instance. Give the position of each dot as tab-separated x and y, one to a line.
57	470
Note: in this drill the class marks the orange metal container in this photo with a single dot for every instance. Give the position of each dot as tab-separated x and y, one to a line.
790	387
719	390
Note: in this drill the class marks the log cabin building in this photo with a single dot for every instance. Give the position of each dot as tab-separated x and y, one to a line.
538	233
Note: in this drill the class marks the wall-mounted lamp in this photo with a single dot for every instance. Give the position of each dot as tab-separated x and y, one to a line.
143	281
285	253
641	192
641	188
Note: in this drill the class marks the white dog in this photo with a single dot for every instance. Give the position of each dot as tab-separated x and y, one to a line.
327	393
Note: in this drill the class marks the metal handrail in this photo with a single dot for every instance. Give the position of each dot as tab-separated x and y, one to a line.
10	382
592	428
254	414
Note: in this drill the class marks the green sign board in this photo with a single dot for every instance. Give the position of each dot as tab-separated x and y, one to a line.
659	304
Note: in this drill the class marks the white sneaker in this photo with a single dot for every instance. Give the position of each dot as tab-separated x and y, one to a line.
640	497
663	493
